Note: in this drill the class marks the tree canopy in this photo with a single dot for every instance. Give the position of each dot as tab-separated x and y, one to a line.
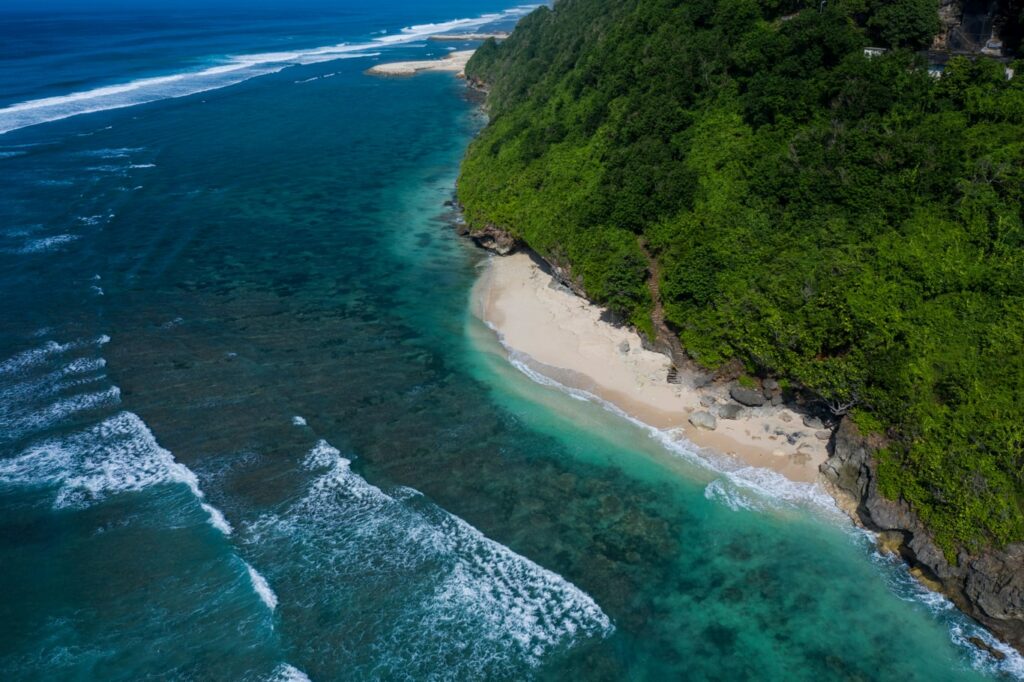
851	224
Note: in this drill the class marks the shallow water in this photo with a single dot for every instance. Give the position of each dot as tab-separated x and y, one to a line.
251	430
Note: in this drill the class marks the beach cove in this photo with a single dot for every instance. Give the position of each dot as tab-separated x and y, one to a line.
254	430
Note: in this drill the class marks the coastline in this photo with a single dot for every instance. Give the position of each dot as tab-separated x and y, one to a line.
567	339
553	334
454	62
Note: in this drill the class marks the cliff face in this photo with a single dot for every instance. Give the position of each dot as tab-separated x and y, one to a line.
988	586
988	27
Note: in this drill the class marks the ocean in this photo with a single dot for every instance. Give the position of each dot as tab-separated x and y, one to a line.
250	430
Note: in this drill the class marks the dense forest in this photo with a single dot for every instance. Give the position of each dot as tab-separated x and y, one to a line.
849	224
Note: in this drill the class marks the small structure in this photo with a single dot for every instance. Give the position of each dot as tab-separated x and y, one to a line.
872	52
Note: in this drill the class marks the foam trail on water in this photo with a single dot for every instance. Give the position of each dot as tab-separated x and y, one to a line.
897	576
261	587
27	360
118	455
232	70
288	673
427	576
29	422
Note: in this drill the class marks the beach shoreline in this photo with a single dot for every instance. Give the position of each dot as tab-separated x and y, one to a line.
569	340
454	62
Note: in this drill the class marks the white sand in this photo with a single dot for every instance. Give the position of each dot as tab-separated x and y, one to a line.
457	37
454	62
565	338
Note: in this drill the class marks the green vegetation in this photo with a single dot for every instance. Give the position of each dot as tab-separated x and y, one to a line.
850	224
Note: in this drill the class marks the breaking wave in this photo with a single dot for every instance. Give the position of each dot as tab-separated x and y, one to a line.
431	579
229	71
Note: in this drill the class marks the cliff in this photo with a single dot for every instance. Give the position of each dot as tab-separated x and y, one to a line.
988	586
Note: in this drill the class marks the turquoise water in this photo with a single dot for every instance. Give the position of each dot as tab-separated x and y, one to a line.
251	430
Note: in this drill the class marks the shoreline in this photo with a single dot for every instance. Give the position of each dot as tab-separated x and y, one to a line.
566	339
454	62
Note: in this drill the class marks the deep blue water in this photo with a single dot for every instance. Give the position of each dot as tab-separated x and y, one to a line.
250	430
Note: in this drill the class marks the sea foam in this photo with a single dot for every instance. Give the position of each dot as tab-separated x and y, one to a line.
230	71
741	486
439	584
288	673
261	587
118	455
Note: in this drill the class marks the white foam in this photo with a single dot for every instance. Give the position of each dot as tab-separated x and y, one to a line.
118	455
46	243
896	574
772	488
15	396
95	219
261	587
323	455
288	673
719	490
229	71
298	421
24	422
438	582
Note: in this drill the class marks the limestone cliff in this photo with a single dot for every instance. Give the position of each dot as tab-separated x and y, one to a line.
988	586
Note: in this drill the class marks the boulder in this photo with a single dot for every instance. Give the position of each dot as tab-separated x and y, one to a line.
813	423
786	417
747	396
624	347
823	434
704	420
707	401
730	411
770	385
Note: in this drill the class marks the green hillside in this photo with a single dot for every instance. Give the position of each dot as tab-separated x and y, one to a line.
850	224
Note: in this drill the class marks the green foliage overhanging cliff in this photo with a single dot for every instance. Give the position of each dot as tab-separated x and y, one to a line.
852	224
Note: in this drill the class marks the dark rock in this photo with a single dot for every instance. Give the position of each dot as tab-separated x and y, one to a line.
730	411
813	423
777	400
770	385
987	586
987	648
495	239
624	347
747	396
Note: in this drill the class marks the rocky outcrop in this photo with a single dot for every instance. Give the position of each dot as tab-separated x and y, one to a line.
750	397
704	420
988	586
494	239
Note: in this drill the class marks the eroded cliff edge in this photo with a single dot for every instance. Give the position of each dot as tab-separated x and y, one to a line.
988	586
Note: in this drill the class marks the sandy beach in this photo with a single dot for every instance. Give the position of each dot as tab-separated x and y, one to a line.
454	62
564	337
458	37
